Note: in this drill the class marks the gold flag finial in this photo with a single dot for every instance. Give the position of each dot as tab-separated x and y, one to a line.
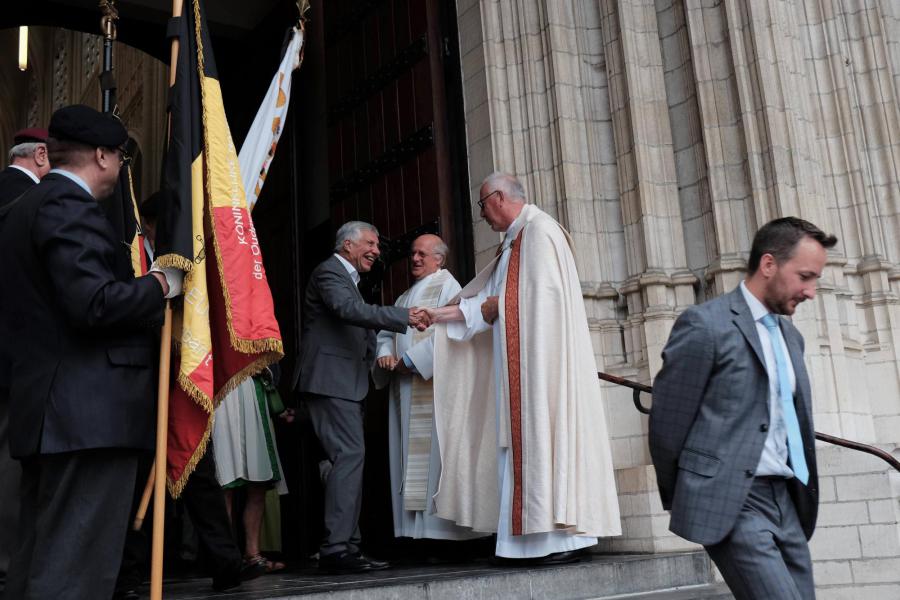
110	16
302	9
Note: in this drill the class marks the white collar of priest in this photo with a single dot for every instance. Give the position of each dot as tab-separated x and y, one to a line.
515	227
426	279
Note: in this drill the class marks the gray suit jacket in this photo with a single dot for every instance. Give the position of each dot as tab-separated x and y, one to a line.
710	419
337	346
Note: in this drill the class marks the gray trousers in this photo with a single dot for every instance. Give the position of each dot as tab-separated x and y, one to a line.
74	514
339	426
766	557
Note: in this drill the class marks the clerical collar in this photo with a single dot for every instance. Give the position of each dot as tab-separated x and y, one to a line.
426	278
514	228
351	270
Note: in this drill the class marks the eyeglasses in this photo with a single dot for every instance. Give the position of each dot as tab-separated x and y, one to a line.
483	199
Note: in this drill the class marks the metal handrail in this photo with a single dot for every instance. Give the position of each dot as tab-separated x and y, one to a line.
637	388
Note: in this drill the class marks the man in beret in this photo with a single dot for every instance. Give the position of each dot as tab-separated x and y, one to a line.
78	327
28	162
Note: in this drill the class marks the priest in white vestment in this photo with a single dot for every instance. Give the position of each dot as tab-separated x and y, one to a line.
524	445
405	361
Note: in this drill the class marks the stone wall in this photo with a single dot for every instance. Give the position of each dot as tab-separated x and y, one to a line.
662	134
856	546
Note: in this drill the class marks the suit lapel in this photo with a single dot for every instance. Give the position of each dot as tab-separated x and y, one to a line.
743	319
339	268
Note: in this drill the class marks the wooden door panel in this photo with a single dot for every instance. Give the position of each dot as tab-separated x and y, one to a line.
428	184
401	23
406	105
424	105
385	159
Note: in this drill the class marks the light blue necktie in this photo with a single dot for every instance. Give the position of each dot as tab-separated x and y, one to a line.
789	413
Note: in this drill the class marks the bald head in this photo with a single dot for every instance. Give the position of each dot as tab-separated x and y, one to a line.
427	255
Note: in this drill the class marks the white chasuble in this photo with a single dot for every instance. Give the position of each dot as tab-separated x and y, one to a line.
413	448
540	473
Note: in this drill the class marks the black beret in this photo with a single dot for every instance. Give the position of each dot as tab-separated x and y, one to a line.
80	123
32	134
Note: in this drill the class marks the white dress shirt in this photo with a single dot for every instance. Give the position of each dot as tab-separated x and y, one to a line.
351	270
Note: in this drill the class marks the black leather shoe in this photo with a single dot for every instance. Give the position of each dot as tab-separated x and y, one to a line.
252	570
556	558
559	558
377	565
232	579
344	562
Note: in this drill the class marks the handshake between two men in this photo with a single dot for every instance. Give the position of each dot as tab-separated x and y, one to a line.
420	319
423	318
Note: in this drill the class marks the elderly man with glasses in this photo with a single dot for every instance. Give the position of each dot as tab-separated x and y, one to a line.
406	361
522	432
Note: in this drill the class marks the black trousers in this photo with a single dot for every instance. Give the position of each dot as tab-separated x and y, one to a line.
10	474
74	512
205	504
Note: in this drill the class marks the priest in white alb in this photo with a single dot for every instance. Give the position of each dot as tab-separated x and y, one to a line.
524	445
405	361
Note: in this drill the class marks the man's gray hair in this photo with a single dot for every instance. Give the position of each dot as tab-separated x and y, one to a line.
23	150
351	230
506	183
441	249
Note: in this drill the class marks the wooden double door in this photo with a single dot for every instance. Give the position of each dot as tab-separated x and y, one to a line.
393	111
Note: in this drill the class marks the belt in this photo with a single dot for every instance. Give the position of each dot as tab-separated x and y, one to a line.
771	477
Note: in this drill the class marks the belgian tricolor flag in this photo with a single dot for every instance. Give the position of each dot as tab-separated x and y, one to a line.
225	328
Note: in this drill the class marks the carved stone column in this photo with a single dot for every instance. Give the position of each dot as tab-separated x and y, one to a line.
658	279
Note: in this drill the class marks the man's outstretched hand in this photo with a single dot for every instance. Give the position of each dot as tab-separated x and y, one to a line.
419	318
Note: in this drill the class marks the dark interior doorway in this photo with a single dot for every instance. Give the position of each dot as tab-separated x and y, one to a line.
374	133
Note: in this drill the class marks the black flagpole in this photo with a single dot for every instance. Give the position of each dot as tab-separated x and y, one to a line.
107	80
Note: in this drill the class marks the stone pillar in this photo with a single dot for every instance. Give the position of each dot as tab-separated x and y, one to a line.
663	133
658	279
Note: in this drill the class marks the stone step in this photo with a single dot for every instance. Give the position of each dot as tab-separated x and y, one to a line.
674	576
709	591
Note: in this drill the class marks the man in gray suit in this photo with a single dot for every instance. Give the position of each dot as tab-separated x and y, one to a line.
731	431
337	351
